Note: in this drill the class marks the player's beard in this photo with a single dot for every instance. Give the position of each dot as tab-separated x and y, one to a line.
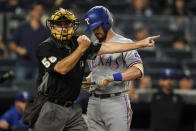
101	39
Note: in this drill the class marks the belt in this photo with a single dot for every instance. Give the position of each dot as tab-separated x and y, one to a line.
61	102
103	96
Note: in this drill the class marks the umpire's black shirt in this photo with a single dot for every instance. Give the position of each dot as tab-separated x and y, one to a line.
62	87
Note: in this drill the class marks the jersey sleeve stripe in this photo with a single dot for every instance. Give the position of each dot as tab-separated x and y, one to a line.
136	62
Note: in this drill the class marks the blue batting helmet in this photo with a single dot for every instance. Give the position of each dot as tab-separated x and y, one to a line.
98	15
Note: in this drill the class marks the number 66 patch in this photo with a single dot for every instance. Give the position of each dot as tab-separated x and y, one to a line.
48	61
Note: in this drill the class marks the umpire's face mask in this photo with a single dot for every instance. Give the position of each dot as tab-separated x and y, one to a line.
100	34
63	30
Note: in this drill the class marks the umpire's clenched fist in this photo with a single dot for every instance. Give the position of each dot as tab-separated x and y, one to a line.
84	42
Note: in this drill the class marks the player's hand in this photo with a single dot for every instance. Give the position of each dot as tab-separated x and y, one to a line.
149	41
84	42
103	81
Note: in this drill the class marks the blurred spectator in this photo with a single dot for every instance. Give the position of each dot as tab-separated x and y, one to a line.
145	83
179	8
186	81
25	40
159	6
52	5
133	95
179	24
166	107
15	6
140	8
57	4
180	43
12	118
3	48
141	33
63	3
2	3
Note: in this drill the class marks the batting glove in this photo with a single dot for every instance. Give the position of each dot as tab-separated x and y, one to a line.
100	81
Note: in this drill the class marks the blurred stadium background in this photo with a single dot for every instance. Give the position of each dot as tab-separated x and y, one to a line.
134	19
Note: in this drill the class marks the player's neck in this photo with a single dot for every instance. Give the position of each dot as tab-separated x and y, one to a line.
110	34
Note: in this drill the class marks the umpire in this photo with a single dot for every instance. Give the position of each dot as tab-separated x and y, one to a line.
61	65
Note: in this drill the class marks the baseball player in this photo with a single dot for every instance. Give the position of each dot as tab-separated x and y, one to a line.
109	107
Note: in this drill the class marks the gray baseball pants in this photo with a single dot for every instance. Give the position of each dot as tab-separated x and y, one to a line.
54	117
109	114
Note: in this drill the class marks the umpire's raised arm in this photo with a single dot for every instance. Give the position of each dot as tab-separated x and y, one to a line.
67	64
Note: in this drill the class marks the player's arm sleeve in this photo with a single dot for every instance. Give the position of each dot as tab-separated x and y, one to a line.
47	57
92	51
132	58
